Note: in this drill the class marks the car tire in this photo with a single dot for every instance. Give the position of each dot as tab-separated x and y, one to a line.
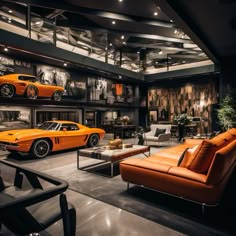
7	90
40	148
57	96
31	92
93	140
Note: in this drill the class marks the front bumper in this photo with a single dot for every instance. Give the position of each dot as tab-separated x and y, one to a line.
8	146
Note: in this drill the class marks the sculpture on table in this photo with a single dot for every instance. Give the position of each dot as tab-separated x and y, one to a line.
115	144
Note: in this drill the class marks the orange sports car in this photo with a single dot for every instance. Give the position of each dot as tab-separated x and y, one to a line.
50	136
29	86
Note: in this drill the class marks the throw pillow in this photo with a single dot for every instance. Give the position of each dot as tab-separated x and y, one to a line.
203	158
159	131
189	155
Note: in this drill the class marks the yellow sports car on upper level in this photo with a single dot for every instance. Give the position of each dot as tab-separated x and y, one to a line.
29	86
50	136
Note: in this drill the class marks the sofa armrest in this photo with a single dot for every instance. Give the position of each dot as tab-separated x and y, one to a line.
148	134
187	174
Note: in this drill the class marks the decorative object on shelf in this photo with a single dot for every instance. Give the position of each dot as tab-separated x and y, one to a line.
115	144
125	119
181	120
227	113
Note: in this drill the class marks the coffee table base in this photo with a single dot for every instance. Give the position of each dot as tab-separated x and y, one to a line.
96	153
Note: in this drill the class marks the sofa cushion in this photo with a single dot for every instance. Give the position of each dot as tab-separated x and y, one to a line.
232	132
182	157
202	157
159	131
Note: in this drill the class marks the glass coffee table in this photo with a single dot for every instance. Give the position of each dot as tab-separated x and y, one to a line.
106	155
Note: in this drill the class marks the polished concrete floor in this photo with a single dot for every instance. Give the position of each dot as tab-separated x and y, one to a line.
94	217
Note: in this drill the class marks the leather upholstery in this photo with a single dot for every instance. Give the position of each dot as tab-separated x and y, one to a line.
160	171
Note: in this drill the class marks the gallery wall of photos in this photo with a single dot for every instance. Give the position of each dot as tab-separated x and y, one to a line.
79	86
195	99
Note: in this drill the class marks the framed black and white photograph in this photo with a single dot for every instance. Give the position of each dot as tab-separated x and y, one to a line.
14	117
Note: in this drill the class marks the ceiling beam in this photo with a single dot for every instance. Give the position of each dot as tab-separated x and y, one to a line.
179	15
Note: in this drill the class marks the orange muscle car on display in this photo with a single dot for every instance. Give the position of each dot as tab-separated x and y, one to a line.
29	86
50	136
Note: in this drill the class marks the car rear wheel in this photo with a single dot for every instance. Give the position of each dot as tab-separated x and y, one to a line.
7	90
31	92
93	140
40	148
57	96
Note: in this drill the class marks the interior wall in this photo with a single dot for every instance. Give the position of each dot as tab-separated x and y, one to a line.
196	98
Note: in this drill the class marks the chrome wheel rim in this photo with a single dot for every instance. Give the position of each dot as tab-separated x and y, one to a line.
57	96
31	92
41	149
7	90
93	140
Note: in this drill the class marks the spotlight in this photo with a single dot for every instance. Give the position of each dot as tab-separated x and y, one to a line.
5	49
155	13
9	11
113	22
65	64
122	37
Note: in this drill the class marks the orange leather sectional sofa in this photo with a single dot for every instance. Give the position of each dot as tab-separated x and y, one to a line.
199	173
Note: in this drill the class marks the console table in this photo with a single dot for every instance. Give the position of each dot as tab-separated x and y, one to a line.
123	131
111	156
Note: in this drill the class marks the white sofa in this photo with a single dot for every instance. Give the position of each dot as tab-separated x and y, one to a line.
150	136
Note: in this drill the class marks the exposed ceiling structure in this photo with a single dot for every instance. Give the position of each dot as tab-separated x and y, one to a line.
136	35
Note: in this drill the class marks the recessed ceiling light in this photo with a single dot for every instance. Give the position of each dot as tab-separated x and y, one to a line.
110	44
120	0
6	49
171	21
155	13
9	11
176	31
183	61
65	64
113	22
161	52
124	43
9	20
122	37
138	52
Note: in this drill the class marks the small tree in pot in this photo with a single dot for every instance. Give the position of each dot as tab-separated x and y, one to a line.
227	113
181	120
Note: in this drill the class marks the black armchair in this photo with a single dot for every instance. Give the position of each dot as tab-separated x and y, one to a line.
31	201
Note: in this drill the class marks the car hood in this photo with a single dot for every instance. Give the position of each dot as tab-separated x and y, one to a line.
14	135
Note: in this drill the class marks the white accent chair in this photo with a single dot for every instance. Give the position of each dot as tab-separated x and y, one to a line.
150	136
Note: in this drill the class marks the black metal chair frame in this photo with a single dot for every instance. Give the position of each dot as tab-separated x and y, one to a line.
9	205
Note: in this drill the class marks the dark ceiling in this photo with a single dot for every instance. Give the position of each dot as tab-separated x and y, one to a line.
129	33
143	37
211	24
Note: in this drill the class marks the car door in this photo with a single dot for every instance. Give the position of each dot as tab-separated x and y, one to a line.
72	136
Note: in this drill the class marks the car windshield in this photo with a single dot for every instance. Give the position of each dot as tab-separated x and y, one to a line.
50	126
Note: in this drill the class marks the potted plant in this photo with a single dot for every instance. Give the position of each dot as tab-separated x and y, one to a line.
181	120
227	113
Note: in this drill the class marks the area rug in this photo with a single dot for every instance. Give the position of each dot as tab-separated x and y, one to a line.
177	214
172	212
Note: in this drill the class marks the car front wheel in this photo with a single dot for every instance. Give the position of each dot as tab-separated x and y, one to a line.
93	140
40	148
57	96
7	90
